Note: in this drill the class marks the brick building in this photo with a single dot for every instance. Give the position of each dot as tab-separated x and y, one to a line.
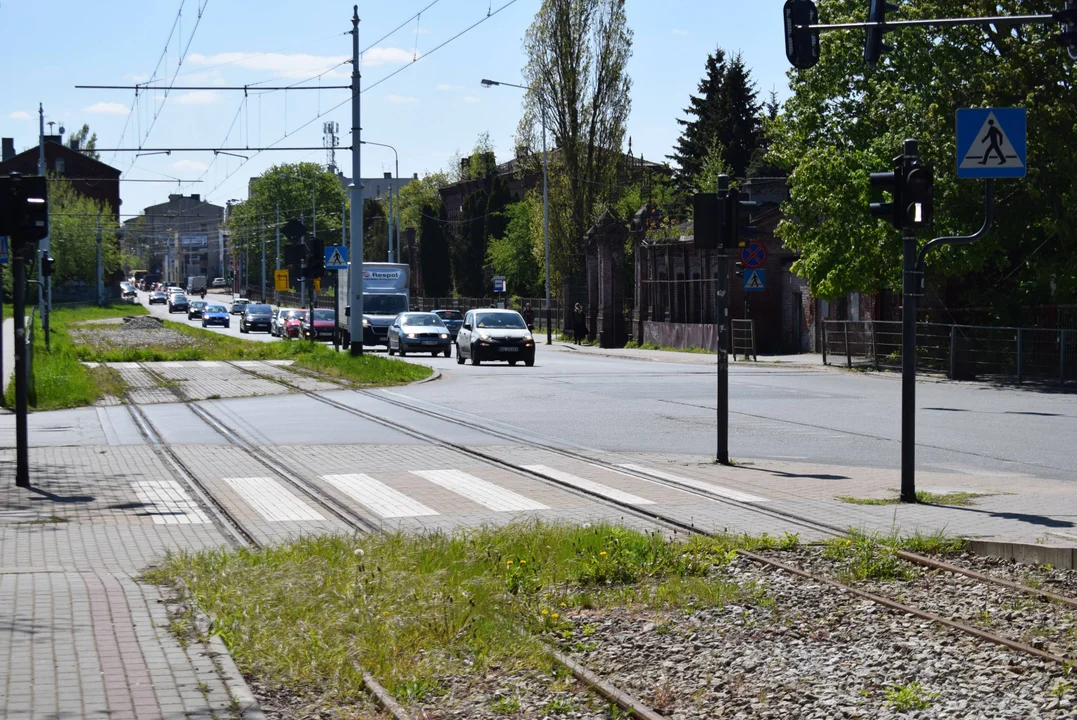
89	177
179	238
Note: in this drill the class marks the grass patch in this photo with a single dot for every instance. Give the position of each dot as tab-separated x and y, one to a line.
959	499
873	556
58	379
414	609
50	520
634	345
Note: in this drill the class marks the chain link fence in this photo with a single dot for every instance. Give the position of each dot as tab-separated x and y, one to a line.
960	352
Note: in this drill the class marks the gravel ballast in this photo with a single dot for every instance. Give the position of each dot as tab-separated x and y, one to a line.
141	331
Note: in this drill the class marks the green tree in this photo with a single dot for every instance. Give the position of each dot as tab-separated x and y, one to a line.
577	53
698	137
86	142
514	253
73	235
375	231
845	120
469	247
434	250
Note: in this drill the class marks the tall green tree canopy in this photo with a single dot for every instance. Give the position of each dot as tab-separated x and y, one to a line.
85	140
845	120
73	234
577	55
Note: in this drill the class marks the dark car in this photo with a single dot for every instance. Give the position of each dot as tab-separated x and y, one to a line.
177	302
158	297
495	335
321	326
239	305
215	315
453	319
419	332
256	316
196	308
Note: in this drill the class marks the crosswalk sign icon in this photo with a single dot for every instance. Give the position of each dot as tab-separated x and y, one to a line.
336	257
754	280
991	143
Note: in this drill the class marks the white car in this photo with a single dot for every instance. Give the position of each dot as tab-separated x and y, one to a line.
219	282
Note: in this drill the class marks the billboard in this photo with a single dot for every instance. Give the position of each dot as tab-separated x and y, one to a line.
193	240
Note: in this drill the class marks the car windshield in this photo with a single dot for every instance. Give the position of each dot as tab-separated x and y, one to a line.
179	298
258	309
158	294
296	315
450	314
384	304
324	314
500	320
198	304
215	309
422	320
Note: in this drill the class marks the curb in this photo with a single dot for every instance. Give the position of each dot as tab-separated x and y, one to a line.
1028	554
436	375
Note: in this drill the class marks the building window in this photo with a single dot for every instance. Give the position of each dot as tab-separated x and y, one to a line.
59	165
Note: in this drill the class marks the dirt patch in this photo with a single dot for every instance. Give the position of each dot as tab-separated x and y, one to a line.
141	331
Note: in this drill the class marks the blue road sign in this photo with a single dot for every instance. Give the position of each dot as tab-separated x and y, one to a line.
4	251
499	284
336	257
991	143
753	256
754	280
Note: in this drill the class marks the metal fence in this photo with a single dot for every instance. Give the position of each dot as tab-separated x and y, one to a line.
743	339
960	352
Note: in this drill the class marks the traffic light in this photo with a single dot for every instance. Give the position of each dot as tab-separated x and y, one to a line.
738	216
919	196
1068	36
893	183
315	257
48	265
801	44
873	46
294	255
24	209
708	220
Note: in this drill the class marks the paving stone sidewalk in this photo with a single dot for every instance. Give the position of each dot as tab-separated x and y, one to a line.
80	635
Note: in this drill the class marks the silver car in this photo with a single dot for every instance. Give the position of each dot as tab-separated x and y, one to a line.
419	332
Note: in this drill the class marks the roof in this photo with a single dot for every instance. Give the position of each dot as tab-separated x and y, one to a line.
60	148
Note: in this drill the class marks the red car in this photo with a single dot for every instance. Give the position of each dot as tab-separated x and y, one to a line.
293	324
323	327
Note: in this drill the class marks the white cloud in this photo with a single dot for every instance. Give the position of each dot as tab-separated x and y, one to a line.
198	97
106	108
421	31
193	165
20	115
471	99
136	78
681	33
294	65
402	99
388	56
444	87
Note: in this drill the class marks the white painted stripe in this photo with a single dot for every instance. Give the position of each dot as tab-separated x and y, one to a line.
172	364
589	485
281	363
271	500
170	503
485	493
378	496
250	364
698	484
124	365
208	363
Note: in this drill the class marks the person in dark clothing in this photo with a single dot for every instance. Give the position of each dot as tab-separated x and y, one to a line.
579	323
529	317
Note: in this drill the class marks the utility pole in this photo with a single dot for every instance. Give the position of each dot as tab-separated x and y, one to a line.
722	308
18	274
546	225
392	255
42	169
355	268
336	289
302	275
263	228
276	293
100	267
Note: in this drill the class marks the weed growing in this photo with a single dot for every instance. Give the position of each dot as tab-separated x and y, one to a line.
959	499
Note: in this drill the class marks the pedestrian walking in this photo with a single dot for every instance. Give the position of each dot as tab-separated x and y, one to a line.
579	323
529	317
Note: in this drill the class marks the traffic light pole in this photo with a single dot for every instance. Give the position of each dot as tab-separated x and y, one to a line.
911	285
355	267
722	318
18	275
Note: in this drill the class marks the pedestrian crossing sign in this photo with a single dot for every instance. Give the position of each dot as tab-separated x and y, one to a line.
991	143
754	280
336	257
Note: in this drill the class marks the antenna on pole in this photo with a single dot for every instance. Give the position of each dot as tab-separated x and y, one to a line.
331	141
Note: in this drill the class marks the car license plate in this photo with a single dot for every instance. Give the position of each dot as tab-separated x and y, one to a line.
430	342
509	349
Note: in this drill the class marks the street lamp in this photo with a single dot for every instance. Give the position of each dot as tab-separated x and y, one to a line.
545	201
397	222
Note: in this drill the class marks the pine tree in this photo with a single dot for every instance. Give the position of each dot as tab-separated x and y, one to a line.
699	133
738	127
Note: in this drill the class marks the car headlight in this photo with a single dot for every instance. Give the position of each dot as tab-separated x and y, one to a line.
366	323
444	336
484	336
528	338
411	336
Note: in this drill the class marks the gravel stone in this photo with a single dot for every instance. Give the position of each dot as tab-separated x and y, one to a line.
139	331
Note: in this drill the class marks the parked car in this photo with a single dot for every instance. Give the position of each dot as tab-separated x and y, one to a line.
495	335
238	305
196	308
177	302
256	316
277	325
216	315
293	324
419	332
219	282
453	319
158	297
321	326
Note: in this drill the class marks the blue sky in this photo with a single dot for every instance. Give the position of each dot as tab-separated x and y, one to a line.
429	111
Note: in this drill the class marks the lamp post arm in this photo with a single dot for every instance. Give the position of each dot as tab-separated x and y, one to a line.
989	221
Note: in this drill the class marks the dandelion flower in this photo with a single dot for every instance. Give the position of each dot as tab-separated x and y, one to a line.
523	562
603	553
564	605
358	552
509	562
545	611
555	616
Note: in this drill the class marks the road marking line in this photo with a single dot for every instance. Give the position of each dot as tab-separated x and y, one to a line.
378	496
170	503
271	500
589	485
172	364
699	484
250	364
124	365
208	363
485	493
